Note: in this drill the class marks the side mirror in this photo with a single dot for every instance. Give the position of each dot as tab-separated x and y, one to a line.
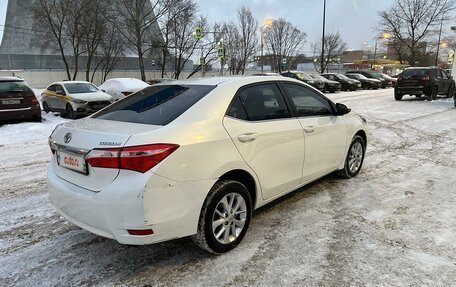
342	109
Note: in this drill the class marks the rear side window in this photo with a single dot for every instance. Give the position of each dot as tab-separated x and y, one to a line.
263	102
155	105
13	86
413	73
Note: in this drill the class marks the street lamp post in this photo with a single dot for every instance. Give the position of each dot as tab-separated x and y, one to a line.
322	65
267	23
382	37
453	69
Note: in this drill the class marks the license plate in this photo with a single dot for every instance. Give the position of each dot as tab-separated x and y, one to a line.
11	102
71	161
98	107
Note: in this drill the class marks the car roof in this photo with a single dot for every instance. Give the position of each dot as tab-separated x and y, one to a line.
216	81
10	79
421	68
70	82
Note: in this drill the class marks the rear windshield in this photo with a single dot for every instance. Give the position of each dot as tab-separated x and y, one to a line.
411	73
155	105
80	88
13	86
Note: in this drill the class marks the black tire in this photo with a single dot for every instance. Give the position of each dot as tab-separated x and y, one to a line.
347	172
435	93
451	91
397	96
46	107
205	237
37	119
69	112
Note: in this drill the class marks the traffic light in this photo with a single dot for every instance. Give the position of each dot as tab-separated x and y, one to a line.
220	52
198	33
451	57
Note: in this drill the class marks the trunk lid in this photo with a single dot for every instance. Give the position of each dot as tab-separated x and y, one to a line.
15	95
74	140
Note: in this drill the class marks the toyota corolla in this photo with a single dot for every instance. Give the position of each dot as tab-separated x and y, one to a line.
195	158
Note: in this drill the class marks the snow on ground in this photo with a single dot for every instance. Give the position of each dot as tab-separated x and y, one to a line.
394	224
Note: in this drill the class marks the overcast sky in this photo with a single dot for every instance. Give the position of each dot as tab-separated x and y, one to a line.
354	19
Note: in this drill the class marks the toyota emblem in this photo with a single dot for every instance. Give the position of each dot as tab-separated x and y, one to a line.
67	138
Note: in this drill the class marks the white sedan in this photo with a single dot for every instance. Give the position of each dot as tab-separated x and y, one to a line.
195	158
119	88
74	98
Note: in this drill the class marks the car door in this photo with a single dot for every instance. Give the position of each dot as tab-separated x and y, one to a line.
446	82
60	96
325	134
269	139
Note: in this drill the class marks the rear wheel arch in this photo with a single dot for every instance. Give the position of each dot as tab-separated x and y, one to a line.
246	179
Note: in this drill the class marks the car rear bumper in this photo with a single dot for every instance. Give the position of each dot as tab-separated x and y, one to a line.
419	90
17	114
132	201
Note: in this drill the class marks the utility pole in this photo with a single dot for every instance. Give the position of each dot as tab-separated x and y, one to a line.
438	44
323	40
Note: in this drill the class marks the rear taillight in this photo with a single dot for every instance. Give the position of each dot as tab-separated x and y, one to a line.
126	93
425	78
34	101
137	158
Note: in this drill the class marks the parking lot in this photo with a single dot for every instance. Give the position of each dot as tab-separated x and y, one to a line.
393	224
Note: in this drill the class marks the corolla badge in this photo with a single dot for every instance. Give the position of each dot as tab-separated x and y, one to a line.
67	137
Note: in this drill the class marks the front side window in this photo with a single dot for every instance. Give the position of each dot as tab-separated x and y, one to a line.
307	102
155	105
263	102
80	88
445	75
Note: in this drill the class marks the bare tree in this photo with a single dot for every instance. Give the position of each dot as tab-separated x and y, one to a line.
74	30
181	39
282	41
413	22
51	16
334	48
137	22
249	41
207	46
112	49
94	28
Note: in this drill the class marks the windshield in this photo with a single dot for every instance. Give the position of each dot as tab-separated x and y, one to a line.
156	105
359	76
13	86
303	76
80	88
342	76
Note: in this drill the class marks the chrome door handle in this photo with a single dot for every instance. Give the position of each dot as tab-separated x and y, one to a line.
309	129
248	137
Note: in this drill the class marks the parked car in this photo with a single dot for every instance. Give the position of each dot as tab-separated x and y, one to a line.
346	82
428	81
119	88
372	75
195	158
304	77
17	100
388	78
266	74
74	98
366	83
330	86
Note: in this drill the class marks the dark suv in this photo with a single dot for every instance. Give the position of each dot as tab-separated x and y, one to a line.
428	81
17	100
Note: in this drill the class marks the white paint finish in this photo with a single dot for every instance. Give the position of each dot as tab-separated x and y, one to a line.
170	195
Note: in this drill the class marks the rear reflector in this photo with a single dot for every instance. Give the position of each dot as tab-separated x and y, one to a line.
137	158
140	232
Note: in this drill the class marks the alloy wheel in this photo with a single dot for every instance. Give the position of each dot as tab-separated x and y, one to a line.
229	218
355	157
